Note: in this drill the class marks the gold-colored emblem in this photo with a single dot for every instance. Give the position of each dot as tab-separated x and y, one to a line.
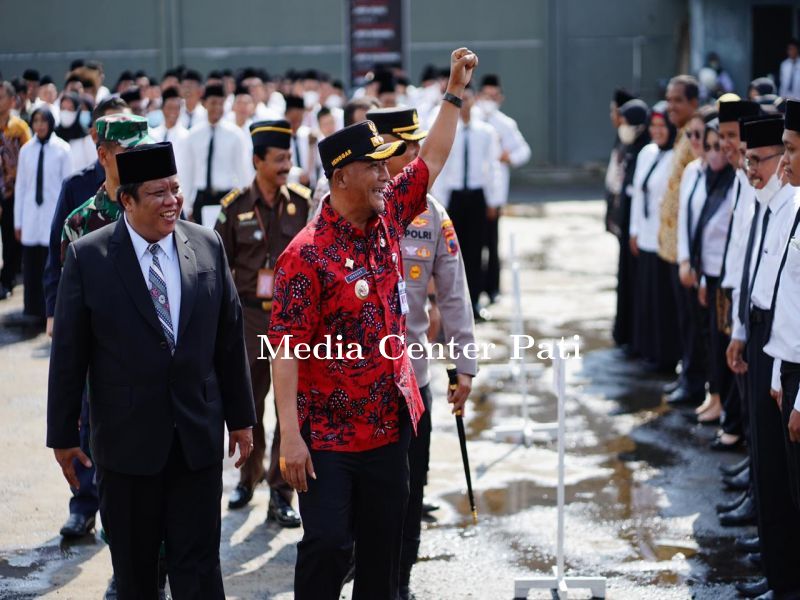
362	289
291	209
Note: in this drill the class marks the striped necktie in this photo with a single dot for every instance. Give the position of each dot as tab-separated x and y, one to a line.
158	294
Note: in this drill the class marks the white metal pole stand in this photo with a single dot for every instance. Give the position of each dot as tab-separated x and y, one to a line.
558	582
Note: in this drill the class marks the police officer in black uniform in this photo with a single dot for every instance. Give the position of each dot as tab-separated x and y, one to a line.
256	224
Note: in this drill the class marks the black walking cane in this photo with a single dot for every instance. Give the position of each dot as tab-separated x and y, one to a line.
452	376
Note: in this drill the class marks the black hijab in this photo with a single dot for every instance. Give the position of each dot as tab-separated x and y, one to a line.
51	121
75	131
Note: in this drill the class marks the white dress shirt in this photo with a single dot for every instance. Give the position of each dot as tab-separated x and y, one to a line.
198	116
645	229
779	203
33	219
784	343
170	266
483	154
511	141
740	230
83	152
228	165
309	162
177	135
690	182
790	78
715	233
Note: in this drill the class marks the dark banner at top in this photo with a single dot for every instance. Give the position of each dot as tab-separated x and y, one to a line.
376	36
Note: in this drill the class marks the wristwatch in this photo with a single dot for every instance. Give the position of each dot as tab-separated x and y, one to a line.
453	99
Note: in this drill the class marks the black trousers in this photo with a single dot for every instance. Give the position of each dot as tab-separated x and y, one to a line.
205	198
655	326
12	249
256	322
179	506
467	210
720	378
790	383
491	276
778	518
626	291
85	500
419	454
33	261
693	327
361	498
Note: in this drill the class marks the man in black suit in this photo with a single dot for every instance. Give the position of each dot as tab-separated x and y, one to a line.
148	308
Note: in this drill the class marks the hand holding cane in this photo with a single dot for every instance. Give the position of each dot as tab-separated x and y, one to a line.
452	376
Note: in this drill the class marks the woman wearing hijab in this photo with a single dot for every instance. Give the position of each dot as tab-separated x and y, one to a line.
707	250
655	326
633	135
614	172
74	129
44	163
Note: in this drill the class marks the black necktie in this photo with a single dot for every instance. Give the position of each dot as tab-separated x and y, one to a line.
689	218
40	176
466	157
645	189
730	231
208	161
744	293
297	160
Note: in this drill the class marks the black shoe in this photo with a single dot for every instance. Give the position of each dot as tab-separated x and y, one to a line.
749	545
736	468
753	588
428	506
671	386
744	515
281	511
718	446
755	559
724	507
406	594
682	396
111	590
740	482
240	497
77	526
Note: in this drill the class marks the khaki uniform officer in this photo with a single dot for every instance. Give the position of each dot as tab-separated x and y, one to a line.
431	254
256	224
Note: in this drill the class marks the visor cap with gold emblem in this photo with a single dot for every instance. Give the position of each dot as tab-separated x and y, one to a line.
401	122
271	134
360	141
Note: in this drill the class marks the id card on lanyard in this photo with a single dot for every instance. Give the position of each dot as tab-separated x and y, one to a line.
403	296
265	274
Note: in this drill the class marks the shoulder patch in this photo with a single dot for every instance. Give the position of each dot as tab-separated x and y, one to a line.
228	198
300	190
450	239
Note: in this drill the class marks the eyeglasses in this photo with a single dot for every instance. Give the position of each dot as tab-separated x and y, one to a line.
694	133
714	147
753	162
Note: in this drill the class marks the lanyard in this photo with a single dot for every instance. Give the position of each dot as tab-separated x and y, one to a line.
263	229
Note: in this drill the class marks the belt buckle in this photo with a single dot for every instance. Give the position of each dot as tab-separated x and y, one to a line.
266	305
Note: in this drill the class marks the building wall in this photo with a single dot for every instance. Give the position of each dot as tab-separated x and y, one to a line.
559	60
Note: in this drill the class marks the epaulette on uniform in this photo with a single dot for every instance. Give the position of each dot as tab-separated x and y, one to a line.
300	190
228	198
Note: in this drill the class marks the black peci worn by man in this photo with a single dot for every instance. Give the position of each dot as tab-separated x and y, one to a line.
147	307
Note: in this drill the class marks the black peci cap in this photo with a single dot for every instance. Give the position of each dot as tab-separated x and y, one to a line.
360	141
271	134
400	122
146	163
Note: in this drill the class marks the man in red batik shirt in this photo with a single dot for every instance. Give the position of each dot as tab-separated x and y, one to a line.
346	422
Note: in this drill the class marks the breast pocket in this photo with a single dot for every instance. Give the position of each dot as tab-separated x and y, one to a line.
207	282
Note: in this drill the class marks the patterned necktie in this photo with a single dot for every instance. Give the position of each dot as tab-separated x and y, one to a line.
158	294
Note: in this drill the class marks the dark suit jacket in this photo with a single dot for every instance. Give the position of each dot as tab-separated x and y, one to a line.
140	395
